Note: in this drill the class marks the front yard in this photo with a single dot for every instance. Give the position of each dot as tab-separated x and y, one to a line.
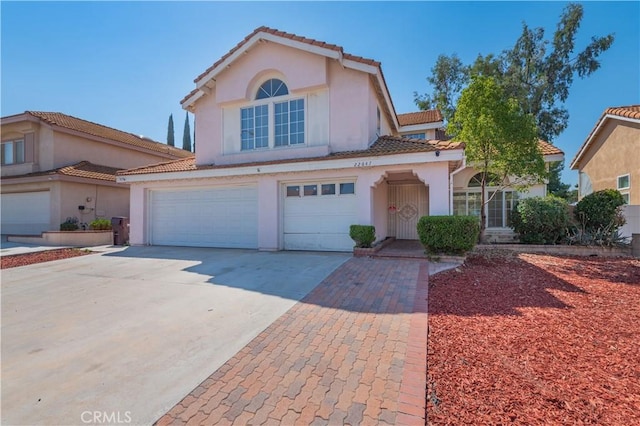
535	339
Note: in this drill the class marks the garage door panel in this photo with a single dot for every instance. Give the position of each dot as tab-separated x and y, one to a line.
319	222
207	217
27	213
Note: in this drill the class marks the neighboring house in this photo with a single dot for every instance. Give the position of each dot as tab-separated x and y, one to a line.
297	140
610	159
56	166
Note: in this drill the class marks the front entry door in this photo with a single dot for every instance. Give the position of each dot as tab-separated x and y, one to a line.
407	204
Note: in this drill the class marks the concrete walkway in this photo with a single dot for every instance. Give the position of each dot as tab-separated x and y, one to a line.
352	351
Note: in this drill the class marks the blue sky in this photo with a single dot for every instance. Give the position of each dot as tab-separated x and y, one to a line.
128	64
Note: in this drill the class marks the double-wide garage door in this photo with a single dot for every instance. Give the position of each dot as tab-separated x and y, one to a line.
205	217
26	213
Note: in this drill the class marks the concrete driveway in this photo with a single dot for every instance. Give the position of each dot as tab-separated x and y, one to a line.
122	336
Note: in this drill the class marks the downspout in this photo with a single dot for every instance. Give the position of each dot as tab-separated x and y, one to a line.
459	169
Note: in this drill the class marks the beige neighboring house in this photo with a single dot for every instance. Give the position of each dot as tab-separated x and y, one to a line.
56	166
610	159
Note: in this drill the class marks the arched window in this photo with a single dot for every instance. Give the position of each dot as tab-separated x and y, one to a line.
272	123
476	180
272	88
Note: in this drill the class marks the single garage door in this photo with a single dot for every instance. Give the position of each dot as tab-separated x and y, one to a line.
26	213
224	217
317	216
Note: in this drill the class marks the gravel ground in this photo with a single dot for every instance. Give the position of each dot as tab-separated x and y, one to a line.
39	257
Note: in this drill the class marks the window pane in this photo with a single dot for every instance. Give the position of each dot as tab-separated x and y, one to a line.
495	210
310	190
247	132
328	189
297	121
19	148
625	197
474	203
7	153
282	123
623	182
347	188
271	88
460	204
293	191
262	126
415	136
509	199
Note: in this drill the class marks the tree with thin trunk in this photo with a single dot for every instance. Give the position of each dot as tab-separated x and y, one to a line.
170	132
500	139
186	136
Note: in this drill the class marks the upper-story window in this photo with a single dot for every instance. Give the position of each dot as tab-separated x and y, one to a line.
273	121
13	152
415	136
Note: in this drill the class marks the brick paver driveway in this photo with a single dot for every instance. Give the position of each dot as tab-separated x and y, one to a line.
352	351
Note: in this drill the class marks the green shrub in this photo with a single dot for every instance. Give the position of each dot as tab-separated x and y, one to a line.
541	220
600	210
363	235
101	225
71	224
448	234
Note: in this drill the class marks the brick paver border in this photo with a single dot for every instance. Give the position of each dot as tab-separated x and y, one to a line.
353	351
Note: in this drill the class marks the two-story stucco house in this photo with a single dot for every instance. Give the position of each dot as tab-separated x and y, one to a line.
56	166
297	140
610	159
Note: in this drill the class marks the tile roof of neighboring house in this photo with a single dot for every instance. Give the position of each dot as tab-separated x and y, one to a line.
629	111
548	149
83	169
420	117
94	129
385	145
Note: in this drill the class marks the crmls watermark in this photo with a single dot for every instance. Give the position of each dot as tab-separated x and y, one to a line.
105	417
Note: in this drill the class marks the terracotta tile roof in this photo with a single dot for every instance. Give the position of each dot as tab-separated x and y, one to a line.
548	149
385	145
83	169
94	129
629	111
289	36
420	117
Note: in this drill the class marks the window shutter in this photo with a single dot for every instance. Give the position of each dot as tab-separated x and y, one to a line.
29	148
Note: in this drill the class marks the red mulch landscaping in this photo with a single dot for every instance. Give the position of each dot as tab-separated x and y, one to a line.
535	339
38	257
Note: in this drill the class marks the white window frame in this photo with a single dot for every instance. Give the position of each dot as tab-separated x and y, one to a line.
489	190
271	117
628	176
318	185
14	152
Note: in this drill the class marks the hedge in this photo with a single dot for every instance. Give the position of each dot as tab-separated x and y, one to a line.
363	235
448	234
541	220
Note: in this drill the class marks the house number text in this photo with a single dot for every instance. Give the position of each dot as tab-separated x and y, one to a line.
362	164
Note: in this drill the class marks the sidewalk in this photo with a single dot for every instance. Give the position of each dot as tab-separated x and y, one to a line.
352	351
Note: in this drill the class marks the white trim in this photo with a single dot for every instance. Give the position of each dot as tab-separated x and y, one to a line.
417	127
628	175
306	166
587	144
552	158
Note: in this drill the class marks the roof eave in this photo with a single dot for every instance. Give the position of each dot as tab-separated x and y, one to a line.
575	163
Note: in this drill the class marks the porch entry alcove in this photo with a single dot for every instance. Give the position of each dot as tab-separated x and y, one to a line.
408	201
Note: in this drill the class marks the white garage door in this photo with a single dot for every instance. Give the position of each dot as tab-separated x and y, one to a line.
26	213
207	217
317	216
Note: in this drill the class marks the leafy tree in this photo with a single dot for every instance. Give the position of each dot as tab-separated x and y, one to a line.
170	132
500	138
186	136
555	185
536	72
